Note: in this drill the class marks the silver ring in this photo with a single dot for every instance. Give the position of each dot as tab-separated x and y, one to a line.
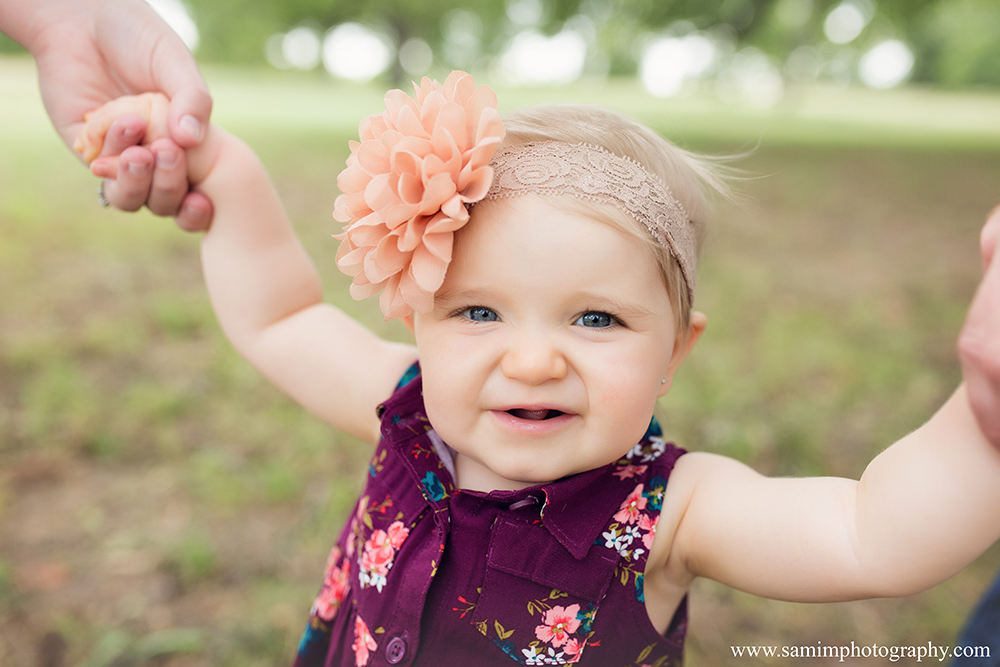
101	199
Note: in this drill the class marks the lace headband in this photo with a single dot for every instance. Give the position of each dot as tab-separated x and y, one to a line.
421	163
584	171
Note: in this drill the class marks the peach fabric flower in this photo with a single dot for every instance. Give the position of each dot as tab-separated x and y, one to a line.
406	187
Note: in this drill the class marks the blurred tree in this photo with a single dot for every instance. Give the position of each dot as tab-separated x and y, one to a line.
235	30
960	40
954	41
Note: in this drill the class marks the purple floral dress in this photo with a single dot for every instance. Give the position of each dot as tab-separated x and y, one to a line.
427	574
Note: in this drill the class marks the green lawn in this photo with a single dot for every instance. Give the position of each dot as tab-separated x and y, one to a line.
162	504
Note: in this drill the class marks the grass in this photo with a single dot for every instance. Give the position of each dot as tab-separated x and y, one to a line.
160	503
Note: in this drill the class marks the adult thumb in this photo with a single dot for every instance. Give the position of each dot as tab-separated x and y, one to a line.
190	109
989	238
176	75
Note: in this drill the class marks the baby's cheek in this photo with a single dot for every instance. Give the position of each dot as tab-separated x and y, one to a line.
627	408
444	407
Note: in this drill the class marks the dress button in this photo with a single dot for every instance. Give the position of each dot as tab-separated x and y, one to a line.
395	650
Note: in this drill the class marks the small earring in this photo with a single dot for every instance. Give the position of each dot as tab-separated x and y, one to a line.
663	381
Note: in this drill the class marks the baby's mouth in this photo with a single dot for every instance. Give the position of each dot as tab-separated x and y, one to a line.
536	415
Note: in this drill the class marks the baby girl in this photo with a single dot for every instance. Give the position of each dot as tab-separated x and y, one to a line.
521	502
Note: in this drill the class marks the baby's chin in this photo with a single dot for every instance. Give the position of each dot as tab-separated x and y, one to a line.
474	475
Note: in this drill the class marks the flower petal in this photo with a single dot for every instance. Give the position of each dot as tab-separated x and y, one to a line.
408	123
474	184
455	209
373	158
406	185
381	192
437	190
452	119
428	271
385	260
413	295
392	302
439	245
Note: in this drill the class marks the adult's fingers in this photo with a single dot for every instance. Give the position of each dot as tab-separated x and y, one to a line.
196	213
979	342
129	189
170	180
989	238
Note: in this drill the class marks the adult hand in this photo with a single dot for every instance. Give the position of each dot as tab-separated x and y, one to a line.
91	51
153	175
979	342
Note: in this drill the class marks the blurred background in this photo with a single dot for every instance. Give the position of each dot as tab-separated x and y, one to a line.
161	504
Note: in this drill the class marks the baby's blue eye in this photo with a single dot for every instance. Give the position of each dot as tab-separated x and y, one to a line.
595	320
480	314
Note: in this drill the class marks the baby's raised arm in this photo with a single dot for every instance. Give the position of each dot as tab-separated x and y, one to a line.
264	288
924	508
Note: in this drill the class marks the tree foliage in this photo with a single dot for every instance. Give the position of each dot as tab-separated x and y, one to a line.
954	41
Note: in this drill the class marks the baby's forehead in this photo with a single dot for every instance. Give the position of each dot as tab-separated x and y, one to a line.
538	205
540	209
532	240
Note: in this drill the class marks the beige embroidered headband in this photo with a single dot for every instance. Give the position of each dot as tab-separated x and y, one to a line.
593	173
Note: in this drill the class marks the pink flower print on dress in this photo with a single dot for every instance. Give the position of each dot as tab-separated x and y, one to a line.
363	644
632	507
574	649
335	586
557	624
353	530
379	552
406	187
650	528
626	471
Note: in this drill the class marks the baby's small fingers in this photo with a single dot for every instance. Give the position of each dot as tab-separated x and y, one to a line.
196	213
151	107
129	190
170	180
125	132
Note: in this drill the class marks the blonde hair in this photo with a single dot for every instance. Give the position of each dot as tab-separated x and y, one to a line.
690	177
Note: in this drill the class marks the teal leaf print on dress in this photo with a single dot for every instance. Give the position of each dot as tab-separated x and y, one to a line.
654	494
433	487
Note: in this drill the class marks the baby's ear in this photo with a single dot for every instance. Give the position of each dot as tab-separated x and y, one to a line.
683	346
151	107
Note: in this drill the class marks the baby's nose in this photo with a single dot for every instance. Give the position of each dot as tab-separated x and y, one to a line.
533	359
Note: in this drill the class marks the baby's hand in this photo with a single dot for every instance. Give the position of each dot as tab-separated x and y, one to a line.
152	108
127	142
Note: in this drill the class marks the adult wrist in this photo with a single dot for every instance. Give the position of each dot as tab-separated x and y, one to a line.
43	26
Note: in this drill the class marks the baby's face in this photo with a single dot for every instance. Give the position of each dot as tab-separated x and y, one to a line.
546	347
